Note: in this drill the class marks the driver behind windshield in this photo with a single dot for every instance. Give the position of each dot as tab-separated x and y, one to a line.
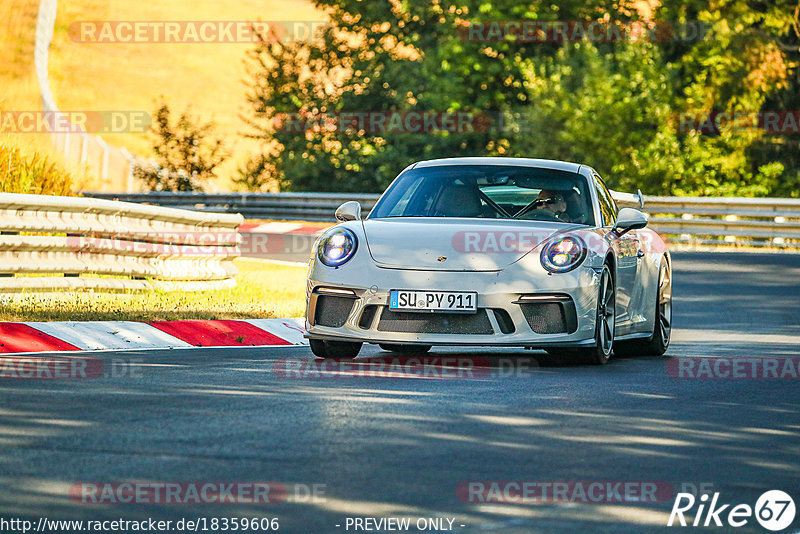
552	203
488	191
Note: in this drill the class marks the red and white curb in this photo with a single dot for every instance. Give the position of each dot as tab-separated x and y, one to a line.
125	335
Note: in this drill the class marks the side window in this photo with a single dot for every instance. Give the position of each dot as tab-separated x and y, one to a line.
607	206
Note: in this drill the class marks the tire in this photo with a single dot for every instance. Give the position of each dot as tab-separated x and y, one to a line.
662	327
564	356
340	350
317	347
405	349
605	326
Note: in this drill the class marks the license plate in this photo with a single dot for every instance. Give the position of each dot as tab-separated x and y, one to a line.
433	301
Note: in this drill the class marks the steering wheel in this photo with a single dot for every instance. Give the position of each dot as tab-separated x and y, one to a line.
542	215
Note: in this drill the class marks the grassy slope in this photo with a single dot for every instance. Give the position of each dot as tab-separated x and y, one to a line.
19	89
134	76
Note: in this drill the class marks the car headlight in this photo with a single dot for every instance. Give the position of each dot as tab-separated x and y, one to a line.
563	254
337	247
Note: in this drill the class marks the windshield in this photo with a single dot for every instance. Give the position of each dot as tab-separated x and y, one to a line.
490	192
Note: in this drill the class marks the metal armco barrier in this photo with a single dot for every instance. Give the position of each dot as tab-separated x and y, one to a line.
278	206
706	220
755	221
151	246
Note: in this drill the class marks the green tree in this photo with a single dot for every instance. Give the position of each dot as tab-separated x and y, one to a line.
186	153
613	111
616	105
377	57
738	66
784	148
618	112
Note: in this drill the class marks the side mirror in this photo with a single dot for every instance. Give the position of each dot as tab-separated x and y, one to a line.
629	219
349	211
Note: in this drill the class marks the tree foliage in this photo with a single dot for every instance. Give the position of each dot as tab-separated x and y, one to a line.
615	105
617	112
186	153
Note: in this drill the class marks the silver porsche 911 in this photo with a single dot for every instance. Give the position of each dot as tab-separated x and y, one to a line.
492	252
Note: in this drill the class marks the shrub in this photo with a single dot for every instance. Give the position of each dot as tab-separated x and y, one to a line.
186	155
34	173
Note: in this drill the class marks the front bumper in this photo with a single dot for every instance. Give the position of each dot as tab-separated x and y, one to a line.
533	311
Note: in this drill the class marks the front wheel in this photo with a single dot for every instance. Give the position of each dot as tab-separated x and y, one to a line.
343	350
604	324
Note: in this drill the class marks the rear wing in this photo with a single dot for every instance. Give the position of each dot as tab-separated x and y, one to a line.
628	200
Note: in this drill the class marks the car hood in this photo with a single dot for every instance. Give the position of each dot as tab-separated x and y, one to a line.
452	244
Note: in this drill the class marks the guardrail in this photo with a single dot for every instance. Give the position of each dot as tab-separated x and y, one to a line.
118	245
751	221
278	206
696	220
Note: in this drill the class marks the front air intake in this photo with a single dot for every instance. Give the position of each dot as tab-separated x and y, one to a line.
367	316
435	323
503	320
554	316
332	311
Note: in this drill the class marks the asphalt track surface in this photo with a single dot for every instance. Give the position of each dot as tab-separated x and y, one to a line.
402	446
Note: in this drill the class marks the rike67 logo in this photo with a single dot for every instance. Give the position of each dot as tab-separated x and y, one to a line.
774	510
